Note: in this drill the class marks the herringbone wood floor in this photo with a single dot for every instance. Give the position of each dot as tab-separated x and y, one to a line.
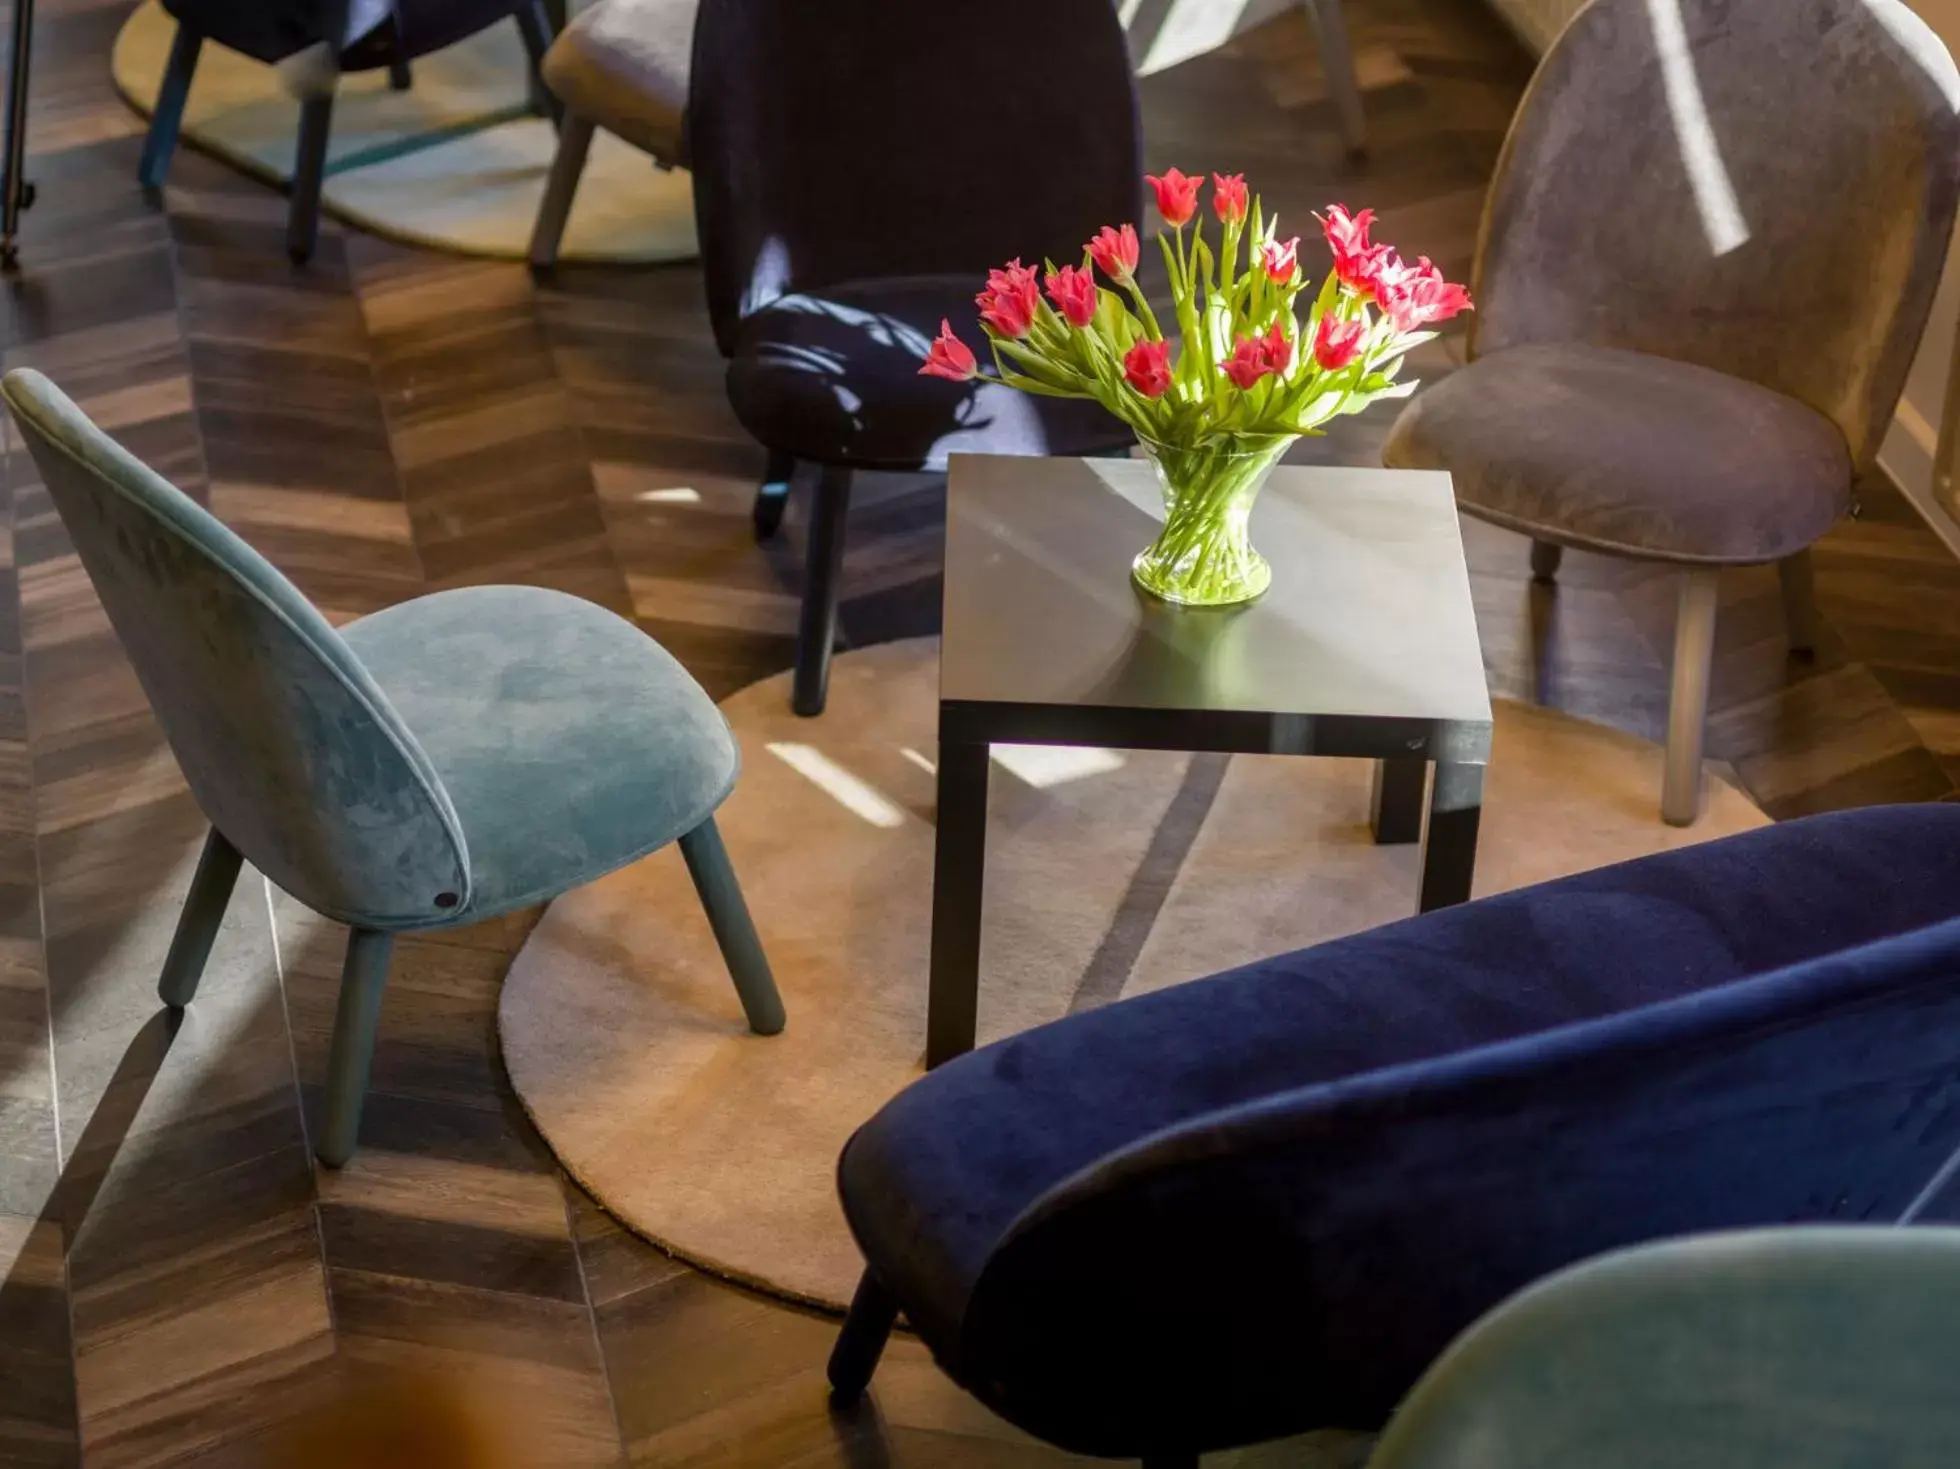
177	1279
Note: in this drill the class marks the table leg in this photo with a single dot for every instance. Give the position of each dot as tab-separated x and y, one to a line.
1395	807
959	871
1449	840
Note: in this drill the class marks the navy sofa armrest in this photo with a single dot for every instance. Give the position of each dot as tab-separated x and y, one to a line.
1327	1243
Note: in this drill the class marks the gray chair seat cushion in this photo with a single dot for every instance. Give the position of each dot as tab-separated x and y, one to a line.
569	741
1628	453
624	65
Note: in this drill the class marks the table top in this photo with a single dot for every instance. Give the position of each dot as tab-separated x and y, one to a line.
1368	618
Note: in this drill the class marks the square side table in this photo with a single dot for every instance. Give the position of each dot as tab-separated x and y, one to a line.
1365	647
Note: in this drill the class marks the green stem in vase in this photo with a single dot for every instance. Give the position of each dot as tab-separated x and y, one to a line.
1204	556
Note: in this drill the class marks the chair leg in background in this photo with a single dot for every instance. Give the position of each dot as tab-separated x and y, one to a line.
825	565
574	143
198	923
772	495
401	75
1545	557
873	1314
309	177
167	120
728	916
1337	63
1799	602
534	24
363	978
1687	709
1170	1461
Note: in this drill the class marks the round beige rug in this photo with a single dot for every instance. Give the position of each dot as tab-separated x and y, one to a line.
444	164
1109	873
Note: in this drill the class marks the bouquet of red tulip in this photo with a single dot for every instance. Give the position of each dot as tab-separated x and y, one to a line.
1247	372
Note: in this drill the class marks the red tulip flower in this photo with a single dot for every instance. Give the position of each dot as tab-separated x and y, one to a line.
1282	260
1337	343
1415	295
1147	366
1115	253
950	358
1247	364
1357	261
1228	197
1074	293
1011	299
1177	196
1275	350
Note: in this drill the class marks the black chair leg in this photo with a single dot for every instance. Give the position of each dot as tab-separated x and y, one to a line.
1170	1461
168	118
818	629
772	495
873	1314
309	177
401	76
534	24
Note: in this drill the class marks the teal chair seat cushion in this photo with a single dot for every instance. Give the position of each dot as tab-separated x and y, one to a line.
569	741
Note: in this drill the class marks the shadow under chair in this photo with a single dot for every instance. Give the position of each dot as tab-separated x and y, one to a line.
457	756
1680	354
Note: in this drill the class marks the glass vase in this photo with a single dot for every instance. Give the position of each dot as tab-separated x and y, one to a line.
1204	557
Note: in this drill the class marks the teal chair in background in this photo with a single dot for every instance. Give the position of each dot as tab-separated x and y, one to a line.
1802	1348
456	757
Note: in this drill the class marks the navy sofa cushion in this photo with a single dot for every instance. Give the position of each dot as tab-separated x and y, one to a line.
1055	1163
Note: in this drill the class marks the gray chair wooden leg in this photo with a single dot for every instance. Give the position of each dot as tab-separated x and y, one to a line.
167	120
574	144
309	177
1799	602
1337	63
1545	559
772	495
817	631
1687	710
868	1326
363	978
197	925
728	916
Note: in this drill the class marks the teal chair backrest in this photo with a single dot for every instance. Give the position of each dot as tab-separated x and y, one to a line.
293	752
1802	1348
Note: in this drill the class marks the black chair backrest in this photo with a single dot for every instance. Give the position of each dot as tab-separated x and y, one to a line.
836	140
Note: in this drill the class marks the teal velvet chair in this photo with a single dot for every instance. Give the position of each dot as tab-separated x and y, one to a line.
458	756
1811	1348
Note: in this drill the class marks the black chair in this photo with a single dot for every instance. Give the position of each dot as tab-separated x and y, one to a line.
271	32
859	165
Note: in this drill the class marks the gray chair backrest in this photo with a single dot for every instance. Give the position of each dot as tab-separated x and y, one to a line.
293	752
1764	187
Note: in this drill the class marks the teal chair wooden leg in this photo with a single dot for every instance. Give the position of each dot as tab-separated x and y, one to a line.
198	924
728	915
362	979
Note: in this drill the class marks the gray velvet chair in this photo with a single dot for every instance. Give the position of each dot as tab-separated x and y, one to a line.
1707	257
1812	1348
620	65
448	759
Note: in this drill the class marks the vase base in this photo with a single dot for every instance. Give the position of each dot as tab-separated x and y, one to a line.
1199	592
